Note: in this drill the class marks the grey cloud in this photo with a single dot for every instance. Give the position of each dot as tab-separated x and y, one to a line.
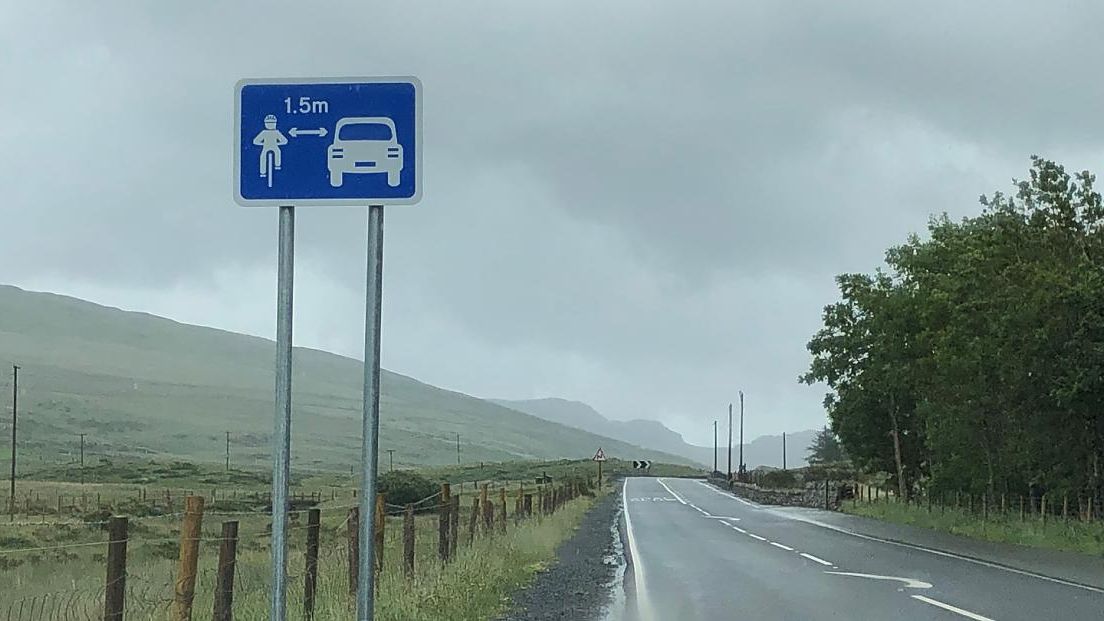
636	204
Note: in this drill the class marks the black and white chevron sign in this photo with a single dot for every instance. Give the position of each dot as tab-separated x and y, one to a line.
642	464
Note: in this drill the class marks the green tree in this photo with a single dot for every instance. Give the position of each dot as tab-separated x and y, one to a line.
979	350
826	448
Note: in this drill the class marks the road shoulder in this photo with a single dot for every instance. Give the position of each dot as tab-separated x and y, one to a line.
1080	569
576	585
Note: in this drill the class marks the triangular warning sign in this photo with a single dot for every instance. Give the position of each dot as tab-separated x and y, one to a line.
600	455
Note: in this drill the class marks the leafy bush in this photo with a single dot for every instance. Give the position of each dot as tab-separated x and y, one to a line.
779	479
403	487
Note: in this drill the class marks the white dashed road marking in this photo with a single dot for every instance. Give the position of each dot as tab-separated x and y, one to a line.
938	604
699	509
817	560
754	536
778	545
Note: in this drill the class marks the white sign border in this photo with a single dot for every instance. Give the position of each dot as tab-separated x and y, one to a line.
329	202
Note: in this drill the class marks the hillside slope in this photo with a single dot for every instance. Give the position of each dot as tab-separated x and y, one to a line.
141	385
762	451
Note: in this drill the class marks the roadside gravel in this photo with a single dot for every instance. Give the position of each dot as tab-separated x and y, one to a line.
577	585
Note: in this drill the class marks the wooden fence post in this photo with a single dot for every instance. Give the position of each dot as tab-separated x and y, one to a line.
473	523
115	591
353	534
1065	507
381	521
502	506
190	532
224	581
517	503
310	586
527	505
408	542
444	505
454	525
488	510
1042	508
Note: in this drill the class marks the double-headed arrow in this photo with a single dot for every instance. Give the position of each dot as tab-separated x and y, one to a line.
296	132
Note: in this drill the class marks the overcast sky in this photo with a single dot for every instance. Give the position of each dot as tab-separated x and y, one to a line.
639	205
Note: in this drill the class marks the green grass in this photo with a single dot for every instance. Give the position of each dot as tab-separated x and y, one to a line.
143	387
559	470
1055	534
477	585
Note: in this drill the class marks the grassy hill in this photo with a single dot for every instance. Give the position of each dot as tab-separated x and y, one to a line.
142	386
762	451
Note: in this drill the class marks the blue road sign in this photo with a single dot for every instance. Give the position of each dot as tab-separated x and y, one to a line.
337	141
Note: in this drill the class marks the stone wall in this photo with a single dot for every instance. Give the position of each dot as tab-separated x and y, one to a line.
811	496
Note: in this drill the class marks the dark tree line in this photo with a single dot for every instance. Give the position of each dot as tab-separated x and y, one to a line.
973	361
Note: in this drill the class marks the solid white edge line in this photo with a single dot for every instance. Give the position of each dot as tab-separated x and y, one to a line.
816	560
754	536
939	604
644	609
672	492
778	545
727	495
739	530
967	559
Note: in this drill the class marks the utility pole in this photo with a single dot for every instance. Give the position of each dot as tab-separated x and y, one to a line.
391	456
228	451
714	445
82	457
457	449
783	450
742	432
729	441
15	418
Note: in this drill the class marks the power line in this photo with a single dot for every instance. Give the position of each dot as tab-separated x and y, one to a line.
82	457
729	441
15	420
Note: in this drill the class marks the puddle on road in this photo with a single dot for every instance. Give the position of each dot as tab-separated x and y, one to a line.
615	610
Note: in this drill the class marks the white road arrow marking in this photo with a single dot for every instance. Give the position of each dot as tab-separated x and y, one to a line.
296	132
910	583
966	613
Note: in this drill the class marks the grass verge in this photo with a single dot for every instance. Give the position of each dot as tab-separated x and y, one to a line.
477	585
1055	534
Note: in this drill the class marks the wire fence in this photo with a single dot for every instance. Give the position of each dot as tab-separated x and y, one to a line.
153	589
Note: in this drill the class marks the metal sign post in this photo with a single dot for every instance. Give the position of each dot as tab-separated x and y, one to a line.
370	435
327	141
599	456
281	438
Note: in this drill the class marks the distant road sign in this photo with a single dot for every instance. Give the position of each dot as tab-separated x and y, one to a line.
642	464
328	141
600	455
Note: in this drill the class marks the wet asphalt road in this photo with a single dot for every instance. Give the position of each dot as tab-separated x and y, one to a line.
698	553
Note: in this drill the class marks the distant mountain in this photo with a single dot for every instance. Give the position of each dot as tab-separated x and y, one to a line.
762	451
138	385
